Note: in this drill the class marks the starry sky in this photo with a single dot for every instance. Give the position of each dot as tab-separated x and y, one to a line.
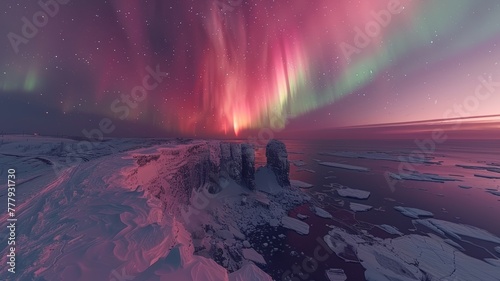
227	68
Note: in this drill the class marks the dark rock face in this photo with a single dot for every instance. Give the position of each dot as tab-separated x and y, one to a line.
248	166
230	161
277	161
237	162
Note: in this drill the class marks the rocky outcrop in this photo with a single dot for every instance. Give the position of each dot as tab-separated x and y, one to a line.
231	163
277	161
248	166
236	162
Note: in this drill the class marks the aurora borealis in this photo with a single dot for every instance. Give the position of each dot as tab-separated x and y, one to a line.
237	66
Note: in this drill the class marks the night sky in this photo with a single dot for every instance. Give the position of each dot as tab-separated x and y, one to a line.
230	68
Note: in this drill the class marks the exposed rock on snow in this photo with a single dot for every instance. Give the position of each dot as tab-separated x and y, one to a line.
277	161
413	213
295	224
344	166
322	213
237	162
353	193
335	274
356	207
231	162
248	166
252	255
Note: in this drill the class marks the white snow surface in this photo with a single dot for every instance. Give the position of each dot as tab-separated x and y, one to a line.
107	217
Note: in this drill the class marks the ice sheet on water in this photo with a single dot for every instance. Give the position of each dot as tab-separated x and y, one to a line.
494	192
300	184
356	207
413	212
345	166
487	176
416	176
252	255
458	231
335	274
410	257
353	193
373	155
390	229
322	213
294	224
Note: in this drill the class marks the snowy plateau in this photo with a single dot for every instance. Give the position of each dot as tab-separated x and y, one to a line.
135	209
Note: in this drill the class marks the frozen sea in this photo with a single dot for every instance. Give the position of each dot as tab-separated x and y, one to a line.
457	182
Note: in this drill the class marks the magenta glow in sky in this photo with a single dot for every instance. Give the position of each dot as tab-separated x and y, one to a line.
320	64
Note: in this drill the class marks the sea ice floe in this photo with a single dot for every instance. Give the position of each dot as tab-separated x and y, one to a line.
335	274
306	170
410	257
295	224
495	262
487	177
344	166
422	177
322	213
413	213
353	193
300	184
494	192
390	229
454	244
252	255
356	207
458	231
372	155
302	217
